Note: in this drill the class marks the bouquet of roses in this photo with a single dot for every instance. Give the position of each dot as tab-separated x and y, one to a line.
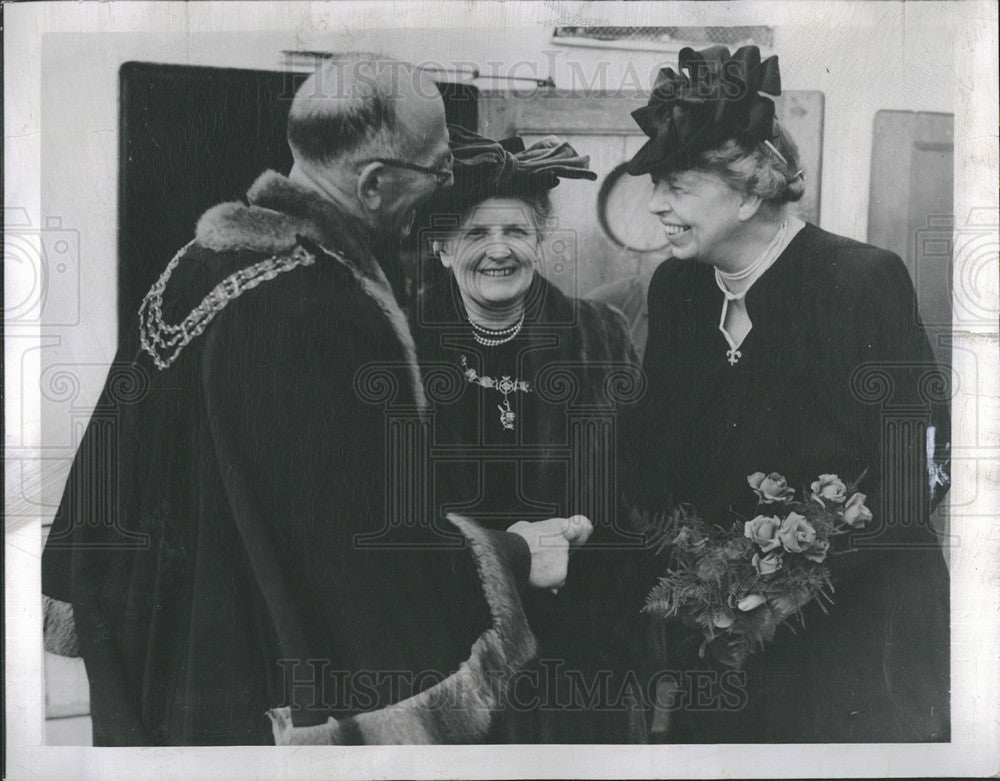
738	585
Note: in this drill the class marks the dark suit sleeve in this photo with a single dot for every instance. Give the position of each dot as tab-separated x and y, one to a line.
897	340
906	395
78	563
643	460
893	378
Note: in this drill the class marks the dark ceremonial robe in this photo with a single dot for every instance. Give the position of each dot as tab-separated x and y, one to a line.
559	458
836	376
224	536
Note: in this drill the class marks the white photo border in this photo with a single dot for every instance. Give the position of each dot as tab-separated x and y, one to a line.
973	750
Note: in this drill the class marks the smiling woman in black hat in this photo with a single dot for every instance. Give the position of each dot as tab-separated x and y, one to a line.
766	339
525	384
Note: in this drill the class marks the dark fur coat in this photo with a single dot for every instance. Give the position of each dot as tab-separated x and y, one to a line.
227	537
559	458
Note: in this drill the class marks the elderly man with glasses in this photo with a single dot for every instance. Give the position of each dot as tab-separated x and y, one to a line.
245	544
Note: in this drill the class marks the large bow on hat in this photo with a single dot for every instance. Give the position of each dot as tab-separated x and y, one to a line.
484	167
713	98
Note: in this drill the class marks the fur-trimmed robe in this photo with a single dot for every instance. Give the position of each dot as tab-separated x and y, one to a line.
211	536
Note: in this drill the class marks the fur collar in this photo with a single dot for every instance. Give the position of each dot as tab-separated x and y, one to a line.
277	215
279	219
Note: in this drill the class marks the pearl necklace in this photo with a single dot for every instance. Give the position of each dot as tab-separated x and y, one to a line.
489	337
722	278
725	278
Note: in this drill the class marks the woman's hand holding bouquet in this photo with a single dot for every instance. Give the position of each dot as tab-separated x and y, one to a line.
738	585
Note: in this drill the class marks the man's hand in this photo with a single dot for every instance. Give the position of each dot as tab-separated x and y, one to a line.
550	543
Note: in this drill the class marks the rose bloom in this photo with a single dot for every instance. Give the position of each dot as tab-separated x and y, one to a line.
766	565
829	488
770	488
797	535
763	530
855	513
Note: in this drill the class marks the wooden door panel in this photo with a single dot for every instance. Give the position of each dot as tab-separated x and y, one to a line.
910	213
574	202
911	204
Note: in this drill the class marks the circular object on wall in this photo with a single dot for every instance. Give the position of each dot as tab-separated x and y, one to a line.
622	208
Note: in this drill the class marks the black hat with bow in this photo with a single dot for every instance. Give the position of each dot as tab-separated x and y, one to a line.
485	168
712	99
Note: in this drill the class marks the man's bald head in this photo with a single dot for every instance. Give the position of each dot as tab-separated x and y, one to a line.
368	133
362	103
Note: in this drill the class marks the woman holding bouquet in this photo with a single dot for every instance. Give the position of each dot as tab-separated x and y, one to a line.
777	347
525	384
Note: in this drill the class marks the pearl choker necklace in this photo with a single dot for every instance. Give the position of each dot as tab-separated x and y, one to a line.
733	354
490	337
725	279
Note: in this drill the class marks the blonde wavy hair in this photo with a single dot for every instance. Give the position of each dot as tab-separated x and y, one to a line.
772	170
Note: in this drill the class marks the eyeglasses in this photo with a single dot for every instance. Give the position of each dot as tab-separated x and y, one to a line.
443	174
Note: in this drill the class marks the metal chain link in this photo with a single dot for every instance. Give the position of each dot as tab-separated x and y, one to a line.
164	341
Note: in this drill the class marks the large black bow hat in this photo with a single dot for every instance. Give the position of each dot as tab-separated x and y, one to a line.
712	99
485	168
